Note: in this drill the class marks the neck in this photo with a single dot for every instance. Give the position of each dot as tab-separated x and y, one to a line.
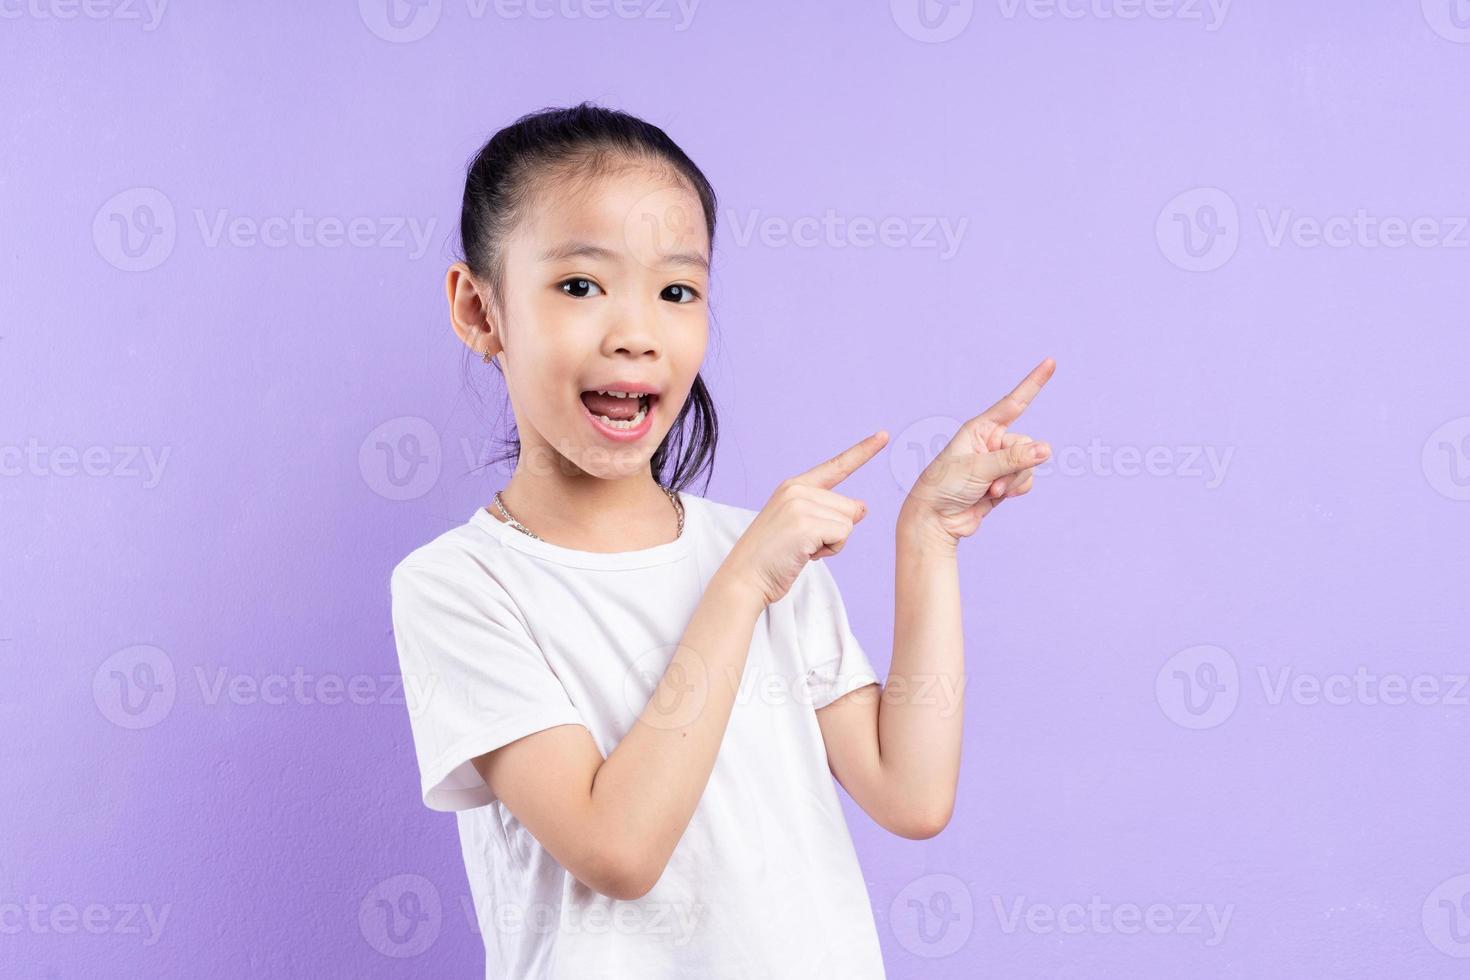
590	513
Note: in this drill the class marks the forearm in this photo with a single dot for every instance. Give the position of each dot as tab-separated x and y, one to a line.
921	713
647	789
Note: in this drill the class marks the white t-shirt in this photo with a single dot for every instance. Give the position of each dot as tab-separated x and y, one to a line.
500	635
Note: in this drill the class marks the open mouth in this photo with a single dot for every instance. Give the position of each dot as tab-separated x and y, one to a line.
619	411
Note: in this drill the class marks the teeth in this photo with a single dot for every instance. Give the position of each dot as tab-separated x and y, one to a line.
631	423
621	394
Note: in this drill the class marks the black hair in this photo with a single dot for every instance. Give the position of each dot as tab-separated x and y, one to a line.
555	146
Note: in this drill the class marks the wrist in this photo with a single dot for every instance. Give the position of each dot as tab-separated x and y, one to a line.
920	530
738	589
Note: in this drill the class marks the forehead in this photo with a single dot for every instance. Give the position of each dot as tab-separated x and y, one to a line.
650	214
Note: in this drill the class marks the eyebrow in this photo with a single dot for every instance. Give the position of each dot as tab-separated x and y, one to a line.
574	249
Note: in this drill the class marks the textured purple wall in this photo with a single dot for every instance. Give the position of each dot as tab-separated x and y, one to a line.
1217	704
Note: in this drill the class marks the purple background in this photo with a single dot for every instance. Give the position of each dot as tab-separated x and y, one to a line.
1127	740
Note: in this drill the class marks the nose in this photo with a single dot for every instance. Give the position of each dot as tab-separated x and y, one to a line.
634	332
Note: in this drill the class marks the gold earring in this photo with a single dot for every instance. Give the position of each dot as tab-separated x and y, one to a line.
488	356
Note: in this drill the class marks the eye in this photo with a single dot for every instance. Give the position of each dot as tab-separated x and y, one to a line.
579	284
684	294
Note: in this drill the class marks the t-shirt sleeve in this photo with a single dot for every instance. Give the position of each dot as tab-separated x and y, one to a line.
473	679
834	661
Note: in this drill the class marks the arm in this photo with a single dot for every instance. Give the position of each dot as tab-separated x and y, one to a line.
898	755
899	758
613	823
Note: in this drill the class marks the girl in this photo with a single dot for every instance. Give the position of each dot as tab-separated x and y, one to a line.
635	698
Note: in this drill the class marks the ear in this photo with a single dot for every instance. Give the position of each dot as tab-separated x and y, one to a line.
470	311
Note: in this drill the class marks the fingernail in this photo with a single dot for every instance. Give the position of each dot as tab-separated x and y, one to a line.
1038	451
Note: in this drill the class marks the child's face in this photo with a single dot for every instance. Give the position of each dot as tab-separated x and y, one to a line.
606	288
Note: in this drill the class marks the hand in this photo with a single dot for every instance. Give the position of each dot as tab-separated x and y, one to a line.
803	520
983	464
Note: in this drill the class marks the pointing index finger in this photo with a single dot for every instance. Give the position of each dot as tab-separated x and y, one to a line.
1010	407
833	471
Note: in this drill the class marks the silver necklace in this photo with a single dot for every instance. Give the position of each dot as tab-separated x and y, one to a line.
678	509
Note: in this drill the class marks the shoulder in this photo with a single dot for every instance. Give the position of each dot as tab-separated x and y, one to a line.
457	584
462	557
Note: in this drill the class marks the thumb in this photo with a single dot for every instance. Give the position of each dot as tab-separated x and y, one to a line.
1018	456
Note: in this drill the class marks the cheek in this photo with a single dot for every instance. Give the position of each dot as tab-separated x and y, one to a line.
693	348
545	354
